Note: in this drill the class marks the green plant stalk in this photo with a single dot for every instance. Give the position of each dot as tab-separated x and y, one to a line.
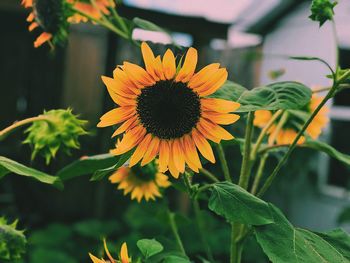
202	230
236	244
175	231
236	228
245	169
259	173
263	133
119	20
223	163
5	132
279	126
209	175
105	24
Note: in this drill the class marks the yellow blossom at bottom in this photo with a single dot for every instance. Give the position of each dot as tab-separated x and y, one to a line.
123	255
141	182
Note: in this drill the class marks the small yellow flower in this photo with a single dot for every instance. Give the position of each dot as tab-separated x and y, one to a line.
141	182
289	130
88	8
123	255
166	112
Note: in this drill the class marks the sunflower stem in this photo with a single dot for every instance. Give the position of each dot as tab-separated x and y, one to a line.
246	164
202	230
119	19
5	132
263	133
259	173
105	24
175	230
209	175
236	245
223	163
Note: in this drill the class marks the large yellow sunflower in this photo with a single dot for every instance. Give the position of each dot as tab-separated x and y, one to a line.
141	183
167	113
123	255
88	8
290	128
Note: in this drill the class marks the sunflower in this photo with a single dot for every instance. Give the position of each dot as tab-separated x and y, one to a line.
95	11
51	16
142	182
123	255
291	126
166	112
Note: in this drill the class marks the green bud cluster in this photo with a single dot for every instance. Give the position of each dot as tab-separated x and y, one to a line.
322	10
12	241
58	130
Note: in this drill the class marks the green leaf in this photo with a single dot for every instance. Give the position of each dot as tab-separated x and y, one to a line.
176	259
283	243
280	95
147	25
87	165
100	174
326	148
8	165
237	205
338	239
149	247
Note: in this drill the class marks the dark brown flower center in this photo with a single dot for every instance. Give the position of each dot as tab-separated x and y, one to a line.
168	109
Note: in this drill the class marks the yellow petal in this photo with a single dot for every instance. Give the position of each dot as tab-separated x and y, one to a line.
192	158
148	58
137	74
130	140
189	66
116	116
178	155
151	152
169	66
44	37
220	118
164	152
140	150
203	146
219	105
127	125
203	76
217	80
124	257
95	259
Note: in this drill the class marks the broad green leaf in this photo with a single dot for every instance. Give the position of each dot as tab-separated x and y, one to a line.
283	243
344	216
149	247
100	174
338	239
326	148
237	205
280	95
87	165
8	166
